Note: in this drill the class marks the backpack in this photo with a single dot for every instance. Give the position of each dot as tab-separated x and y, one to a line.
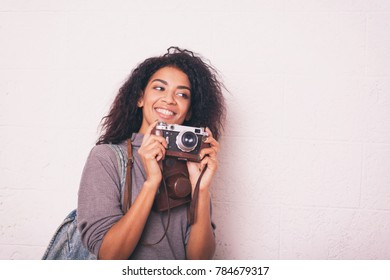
66	242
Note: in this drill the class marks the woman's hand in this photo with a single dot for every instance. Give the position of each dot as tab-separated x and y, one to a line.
209	160
152	150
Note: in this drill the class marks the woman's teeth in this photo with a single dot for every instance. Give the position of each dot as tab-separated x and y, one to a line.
165	112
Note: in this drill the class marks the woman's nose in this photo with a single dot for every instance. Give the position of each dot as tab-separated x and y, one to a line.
169	97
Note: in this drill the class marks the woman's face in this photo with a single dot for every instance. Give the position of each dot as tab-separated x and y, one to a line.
167	97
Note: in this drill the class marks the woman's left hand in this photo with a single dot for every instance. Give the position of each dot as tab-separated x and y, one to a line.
209	160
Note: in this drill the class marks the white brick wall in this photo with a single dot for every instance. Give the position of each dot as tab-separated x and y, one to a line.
305	160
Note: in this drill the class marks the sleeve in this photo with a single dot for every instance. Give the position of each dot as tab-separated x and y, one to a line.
99	205
213	226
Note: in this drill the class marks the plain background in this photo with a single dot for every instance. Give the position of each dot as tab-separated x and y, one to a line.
305	157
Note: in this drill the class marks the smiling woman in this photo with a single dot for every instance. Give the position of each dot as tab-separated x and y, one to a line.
207	102
178	88
167	97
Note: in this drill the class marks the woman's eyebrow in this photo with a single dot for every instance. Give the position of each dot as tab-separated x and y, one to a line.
166	83
161	81
184	87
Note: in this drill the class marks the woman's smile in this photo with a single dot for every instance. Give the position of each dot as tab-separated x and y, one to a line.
167	97
164	113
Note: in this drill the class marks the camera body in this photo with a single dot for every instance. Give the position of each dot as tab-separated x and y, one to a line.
184	142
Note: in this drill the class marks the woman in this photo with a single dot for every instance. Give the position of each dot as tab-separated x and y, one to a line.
176	88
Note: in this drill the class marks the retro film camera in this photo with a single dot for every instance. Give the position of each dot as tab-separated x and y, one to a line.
184	143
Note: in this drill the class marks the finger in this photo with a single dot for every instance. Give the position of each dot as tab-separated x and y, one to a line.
153	151
150	128
210	139
159	152
151	139
213	144
211	163
208	152
210	134
158	139
159	156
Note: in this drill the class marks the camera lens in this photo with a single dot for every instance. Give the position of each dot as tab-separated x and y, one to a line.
187	141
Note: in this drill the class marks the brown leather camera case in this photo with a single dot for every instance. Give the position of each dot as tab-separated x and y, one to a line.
175	188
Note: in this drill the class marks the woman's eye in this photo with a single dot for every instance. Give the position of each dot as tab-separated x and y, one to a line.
159	88
184	95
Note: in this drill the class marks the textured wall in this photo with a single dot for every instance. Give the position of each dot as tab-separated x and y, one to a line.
305	161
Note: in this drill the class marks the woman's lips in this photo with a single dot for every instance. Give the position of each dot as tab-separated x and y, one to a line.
165	113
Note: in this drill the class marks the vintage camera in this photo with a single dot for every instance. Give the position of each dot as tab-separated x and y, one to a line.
184	142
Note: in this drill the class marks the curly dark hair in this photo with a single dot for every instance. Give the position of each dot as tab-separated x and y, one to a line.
207	101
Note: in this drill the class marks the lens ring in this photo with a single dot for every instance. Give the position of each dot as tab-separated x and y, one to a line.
186	141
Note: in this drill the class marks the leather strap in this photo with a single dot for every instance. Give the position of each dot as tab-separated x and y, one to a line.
194	202
128	192
169	218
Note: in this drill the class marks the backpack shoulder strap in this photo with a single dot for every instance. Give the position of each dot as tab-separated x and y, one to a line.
125	163
128	191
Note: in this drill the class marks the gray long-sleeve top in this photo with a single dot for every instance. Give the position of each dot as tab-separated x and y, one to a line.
99	207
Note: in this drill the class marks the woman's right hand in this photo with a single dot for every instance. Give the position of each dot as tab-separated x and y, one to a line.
152	150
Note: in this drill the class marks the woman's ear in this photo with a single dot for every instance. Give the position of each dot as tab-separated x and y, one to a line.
140	102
